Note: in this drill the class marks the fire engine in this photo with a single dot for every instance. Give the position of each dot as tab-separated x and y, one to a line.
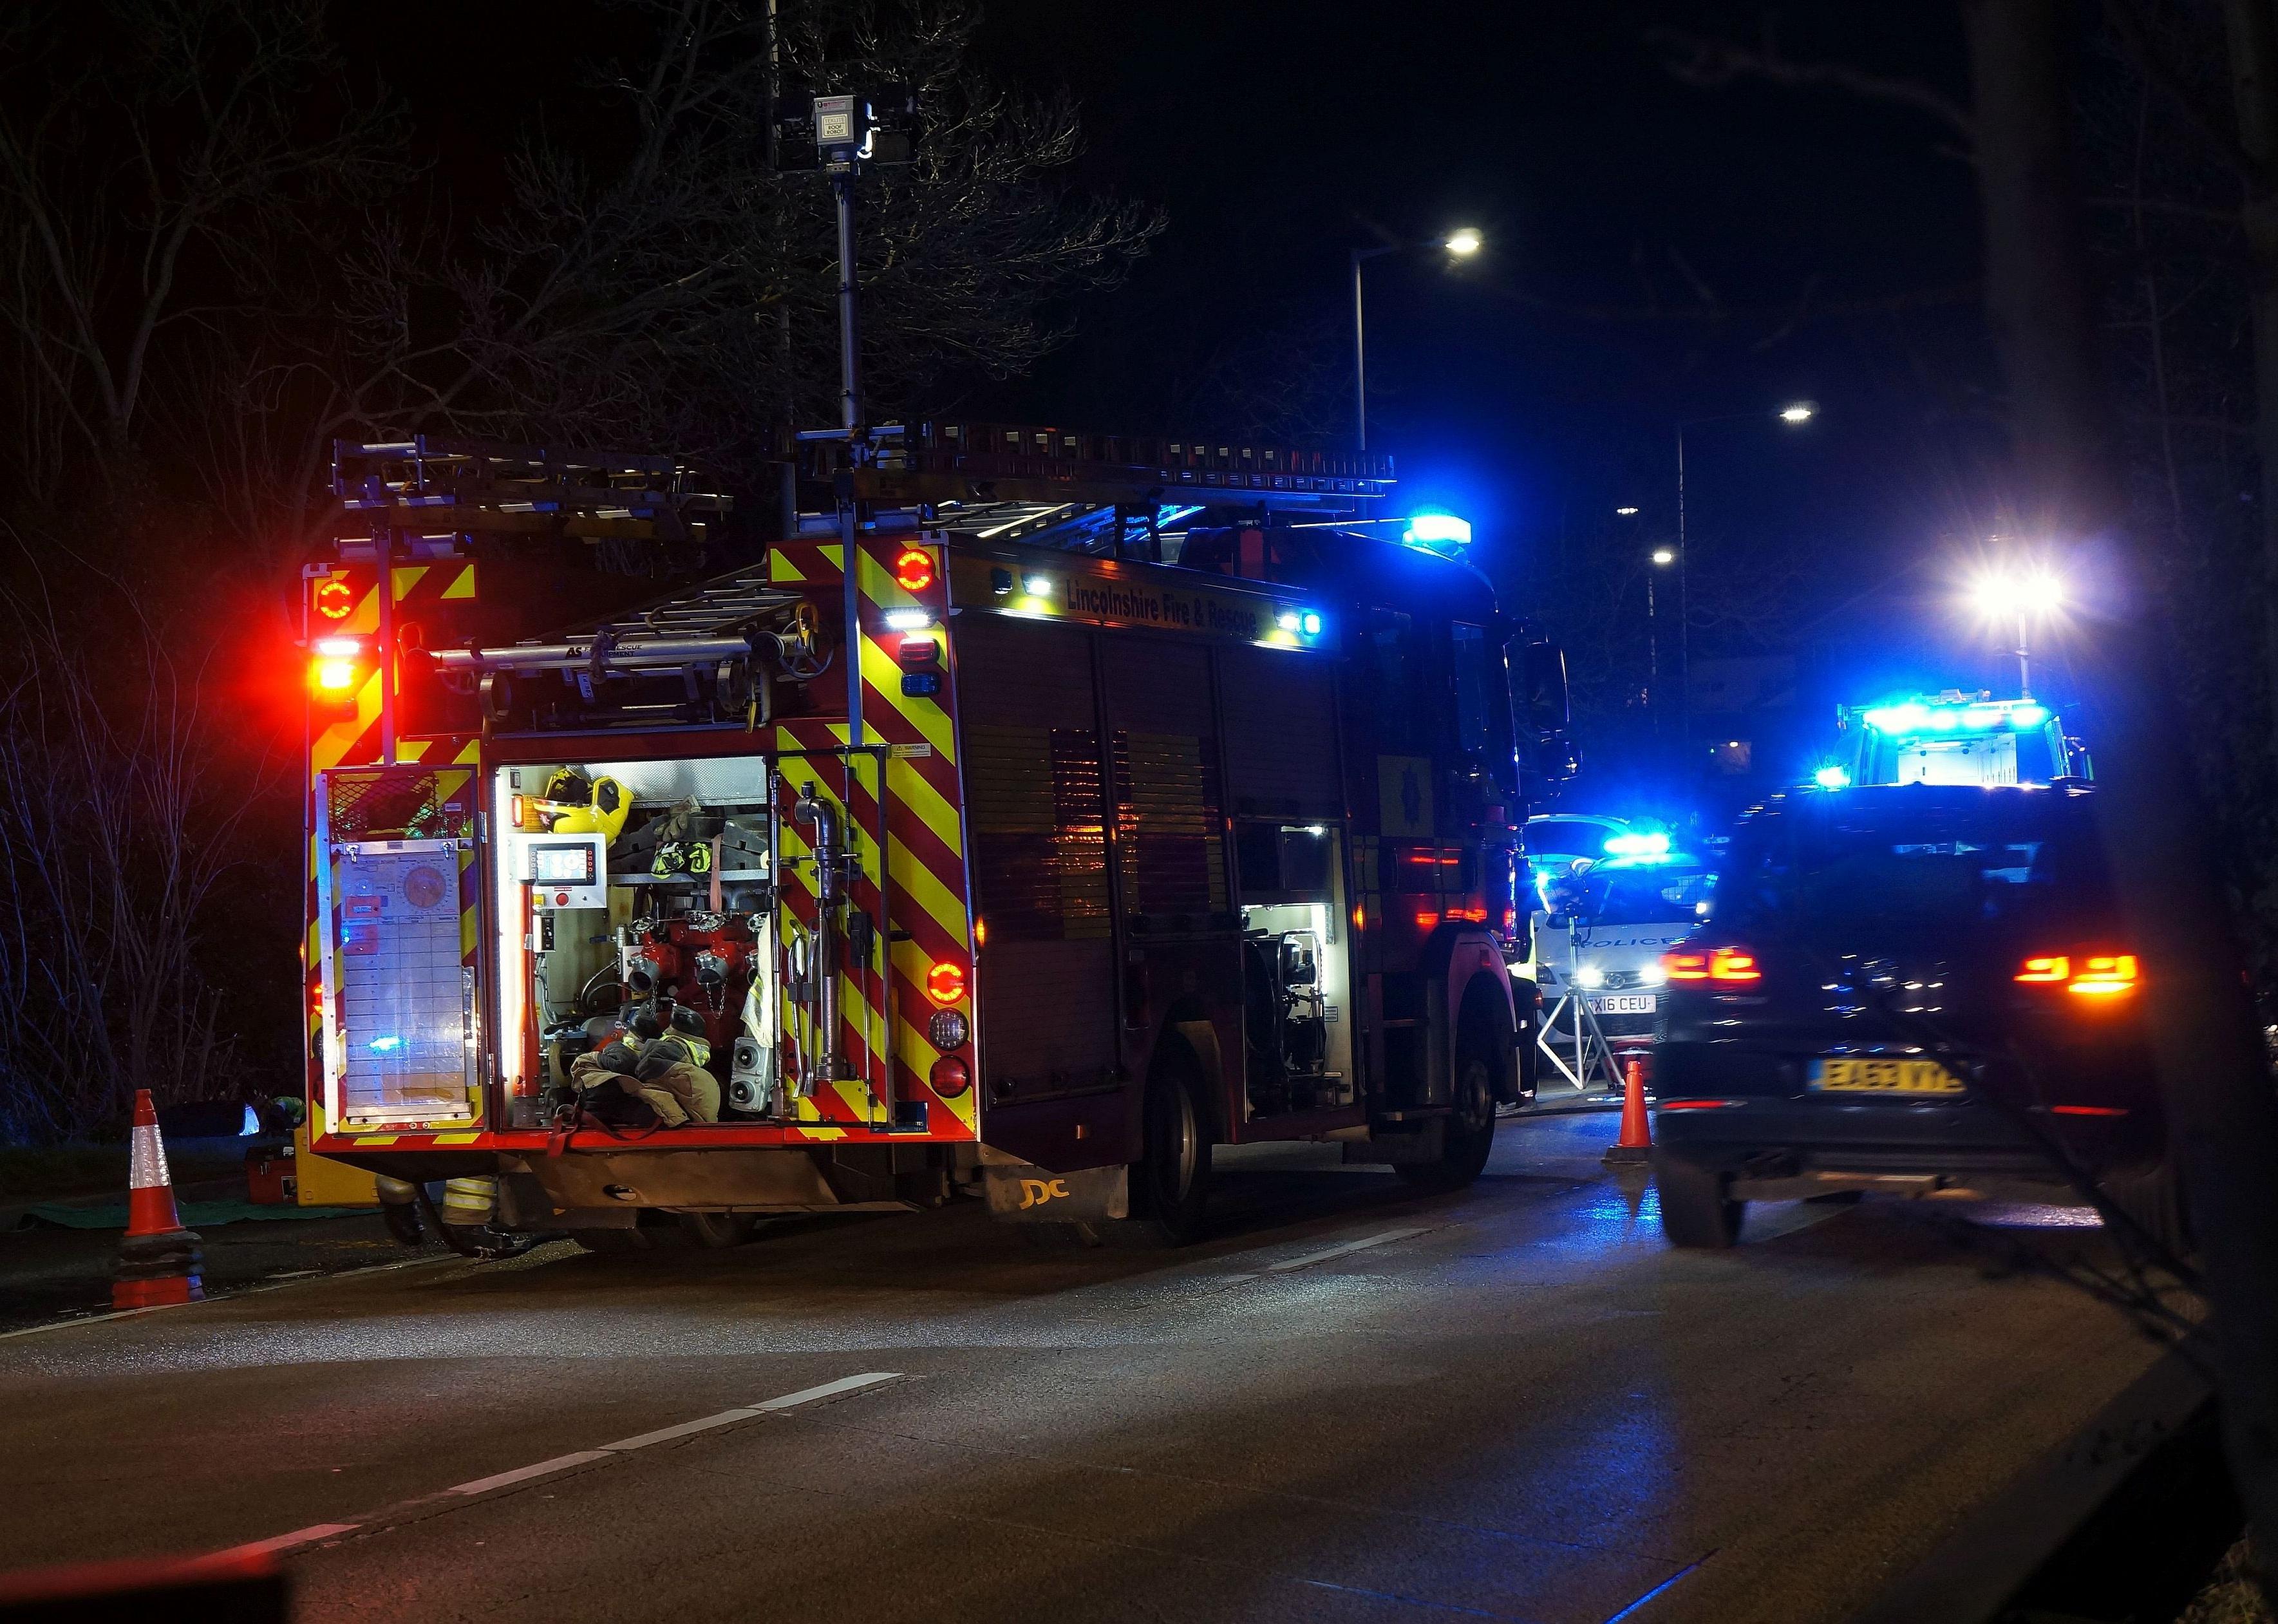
1150	800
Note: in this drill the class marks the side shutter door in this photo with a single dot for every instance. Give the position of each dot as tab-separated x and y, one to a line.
1036	813
1281	734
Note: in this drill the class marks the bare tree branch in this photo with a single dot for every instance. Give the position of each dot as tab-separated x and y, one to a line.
1714	64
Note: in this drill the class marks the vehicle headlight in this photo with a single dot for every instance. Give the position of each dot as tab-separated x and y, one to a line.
1653	975
1589	976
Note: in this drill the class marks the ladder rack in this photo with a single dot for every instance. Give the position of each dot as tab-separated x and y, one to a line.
429	485
931	464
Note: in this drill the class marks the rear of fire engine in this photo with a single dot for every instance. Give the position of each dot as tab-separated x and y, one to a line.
1159	810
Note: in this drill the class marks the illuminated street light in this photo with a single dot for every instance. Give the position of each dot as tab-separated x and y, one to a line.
1794	413
2019	597
1461	243
1626	512
1664	556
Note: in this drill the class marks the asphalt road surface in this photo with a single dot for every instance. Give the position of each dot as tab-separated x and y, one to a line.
1353	1404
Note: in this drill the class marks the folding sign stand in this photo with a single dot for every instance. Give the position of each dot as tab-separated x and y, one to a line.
1590	1054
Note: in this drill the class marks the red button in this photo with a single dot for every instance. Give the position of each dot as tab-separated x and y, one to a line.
560	899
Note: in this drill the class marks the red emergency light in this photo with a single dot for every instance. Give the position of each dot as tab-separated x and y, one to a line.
945	982
334	598
913	568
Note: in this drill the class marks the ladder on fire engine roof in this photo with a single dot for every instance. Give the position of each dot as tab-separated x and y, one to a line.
437	490
427	486
1106	495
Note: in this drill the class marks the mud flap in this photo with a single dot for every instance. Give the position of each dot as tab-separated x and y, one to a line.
1021	1193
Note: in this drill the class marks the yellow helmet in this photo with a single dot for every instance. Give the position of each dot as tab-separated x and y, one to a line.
604	814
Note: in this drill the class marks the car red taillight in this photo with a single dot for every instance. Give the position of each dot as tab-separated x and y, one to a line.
2095	975
1723	964
949	1077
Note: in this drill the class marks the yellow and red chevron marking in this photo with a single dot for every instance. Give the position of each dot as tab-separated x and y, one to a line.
421	586
429	594
917	850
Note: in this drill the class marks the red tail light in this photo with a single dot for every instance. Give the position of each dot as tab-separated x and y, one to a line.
2095	975
1725	964
949	1077
337	669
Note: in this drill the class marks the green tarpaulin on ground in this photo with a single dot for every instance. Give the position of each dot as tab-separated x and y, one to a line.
195	1214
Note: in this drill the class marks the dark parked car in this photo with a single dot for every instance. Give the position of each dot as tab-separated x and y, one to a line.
1918	988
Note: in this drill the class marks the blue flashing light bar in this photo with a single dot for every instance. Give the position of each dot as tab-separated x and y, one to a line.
1438	530
1913	718
1638	845
1831	778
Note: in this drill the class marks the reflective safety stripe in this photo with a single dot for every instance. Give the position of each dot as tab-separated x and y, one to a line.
147	1166
467	1202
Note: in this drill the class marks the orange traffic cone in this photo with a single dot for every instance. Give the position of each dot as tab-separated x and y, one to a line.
158	1261
1636	1142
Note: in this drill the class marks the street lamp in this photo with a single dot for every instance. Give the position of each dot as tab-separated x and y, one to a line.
2019	598
1794	414
1460	244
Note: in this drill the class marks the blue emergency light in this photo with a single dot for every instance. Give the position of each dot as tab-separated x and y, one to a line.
1831	778
1438	530
1914	718
1648	846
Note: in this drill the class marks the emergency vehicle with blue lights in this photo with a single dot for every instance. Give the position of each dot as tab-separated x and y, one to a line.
1147	803
1955	737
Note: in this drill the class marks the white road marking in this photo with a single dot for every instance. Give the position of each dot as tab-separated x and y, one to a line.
765	1406
583	1457
665	1435
544	1468
225	1296
286	1541
845	1384
1362	1244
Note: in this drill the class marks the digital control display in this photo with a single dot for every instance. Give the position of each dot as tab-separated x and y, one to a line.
567	864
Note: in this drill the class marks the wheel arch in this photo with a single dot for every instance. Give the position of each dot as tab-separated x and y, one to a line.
1469	965
1188	1037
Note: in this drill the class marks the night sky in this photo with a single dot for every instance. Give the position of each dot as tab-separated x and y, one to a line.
1536	389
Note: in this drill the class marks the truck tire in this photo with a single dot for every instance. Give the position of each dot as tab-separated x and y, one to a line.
708	1231
1696	1213
1469	1137
1170	1183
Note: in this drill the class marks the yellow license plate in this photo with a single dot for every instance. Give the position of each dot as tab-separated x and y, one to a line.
1885	1076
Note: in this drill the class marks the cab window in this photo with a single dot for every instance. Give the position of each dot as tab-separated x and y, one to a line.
1395	685
1473	724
